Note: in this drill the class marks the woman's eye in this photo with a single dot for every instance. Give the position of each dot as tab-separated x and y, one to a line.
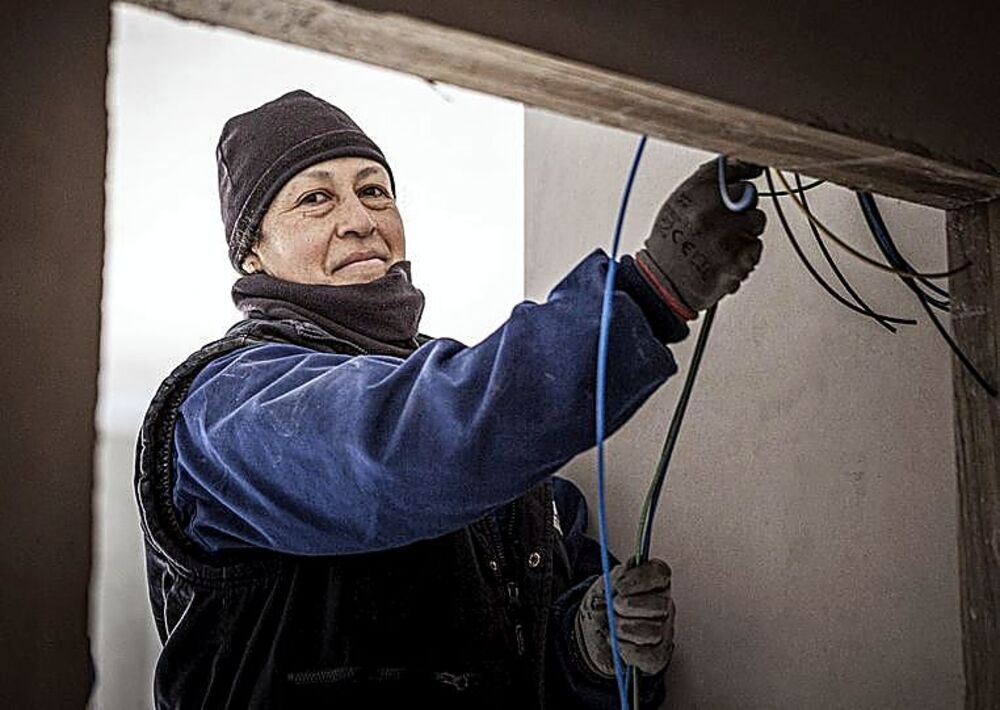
374	191
314	198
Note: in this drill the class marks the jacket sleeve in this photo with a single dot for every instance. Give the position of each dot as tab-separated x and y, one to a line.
571	682
286	448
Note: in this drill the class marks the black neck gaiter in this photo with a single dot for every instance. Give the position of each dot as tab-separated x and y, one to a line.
381	317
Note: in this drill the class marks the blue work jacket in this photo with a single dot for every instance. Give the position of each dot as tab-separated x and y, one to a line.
326	528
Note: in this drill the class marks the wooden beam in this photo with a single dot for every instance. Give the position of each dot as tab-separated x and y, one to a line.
540	79
974	237
55	127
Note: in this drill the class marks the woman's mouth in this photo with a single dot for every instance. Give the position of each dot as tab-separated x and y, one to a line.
361	260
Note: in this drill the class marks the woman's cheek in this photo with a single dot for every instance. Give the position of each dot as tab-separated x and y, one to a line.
391	225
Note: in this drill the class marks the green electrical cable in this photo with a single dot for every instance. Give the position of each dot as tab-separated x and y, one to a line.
653	494
648	513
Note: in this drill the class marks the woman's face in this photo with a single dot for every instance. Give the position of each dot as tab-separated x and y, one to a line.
334	223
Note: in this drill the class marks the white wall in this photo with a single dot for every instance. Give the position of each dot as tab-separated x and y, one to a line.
810	514
457	158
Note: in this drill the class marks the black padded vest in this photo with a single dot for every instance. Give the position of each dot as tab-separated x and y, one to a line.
459	621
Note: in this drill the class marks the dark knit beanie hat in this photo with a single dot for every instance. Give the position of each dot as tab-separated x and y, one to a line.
259	151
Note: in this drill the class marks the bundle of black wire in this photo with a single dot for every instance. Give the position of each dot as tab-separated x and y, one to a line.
929	295
860	306
888	248
921	286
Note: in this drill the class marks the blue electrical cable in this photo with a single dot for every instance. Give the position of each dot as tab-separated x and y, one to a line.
892	256
746	199
888	247
602	365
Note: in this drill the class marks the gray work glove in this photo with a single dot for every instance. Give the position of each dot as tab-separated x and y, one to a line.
645	619
698	250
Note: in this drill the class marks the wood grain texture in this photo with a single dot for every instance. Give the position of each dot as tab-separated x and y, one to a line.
574	88
974	236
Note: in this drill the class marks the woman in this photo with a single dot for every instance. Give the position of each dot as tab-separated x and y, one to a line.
338	510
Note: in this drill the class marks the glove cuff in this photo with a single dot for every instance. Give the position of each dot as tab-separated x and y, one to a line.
661	284
582	648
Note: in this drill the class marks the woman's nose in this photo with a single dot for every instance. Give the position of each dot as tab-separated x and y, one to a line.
354	220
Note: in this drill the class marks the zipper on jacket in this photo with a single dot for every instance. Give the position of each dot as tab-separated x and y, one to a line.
512	521
519	636
512	591
496	542
513	594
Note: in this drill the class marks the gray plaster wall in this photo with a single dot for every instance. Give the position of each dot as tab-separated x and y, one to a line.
810	512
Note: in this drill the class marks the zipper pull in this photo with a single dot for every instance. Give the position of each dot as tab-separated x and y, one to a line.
519	635
513	593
